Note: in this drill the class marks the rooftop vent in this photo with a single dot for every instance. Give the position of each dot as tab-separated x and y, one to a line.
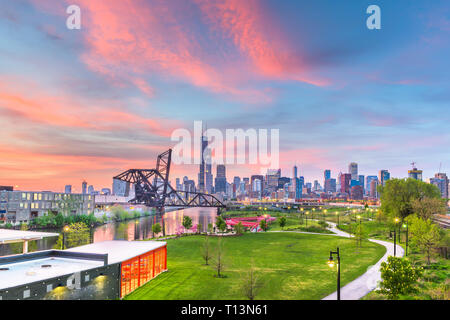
46	266
4	269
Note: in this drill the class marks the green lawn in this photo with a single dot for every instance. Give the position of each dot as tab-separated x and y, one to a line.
292	265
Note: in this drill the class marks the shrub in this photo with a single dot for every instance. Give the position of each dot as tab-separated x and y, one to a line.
399	277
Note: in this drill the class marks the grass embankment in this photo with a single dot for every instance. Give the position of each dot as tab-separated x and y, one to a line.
292	266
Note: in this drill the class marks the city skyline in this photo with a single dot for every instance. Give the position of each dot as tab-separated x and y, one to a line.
87	104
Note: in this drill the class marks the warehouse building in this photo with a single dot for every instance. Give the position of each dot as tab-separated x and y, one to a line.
97	271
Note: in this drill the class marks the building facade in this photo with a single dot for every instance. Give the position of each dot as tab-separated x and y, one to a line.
23	206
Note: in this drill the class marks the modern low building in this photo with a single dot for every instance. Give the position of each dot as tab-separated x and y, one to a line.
99	271
22	206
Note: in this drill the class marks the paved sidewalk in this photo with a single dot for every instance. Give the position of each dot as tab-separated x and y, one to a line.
368	282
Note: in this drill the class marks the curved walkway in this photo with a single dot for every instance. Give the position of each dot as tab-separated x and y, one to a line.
367	282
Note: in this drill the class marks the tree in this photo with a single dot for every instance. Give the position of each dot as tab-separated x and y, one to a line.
263	224
360	234
206	250
199	228
210	227
218	260
397	195
187	222
251	284
425	208
156	228
398	277
425	235
239	228
282	222
77	235
221	224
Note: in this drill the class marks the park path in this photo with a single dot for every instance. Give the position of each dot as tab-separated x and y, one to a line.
367	282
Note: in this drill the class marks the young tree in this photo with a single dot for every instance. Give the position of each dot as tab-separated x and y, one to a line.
282	222
187	222
398	277
77	235
156	228
425	208
360	234
239	228
199	228
251	284
221	224
425	235
218	260
206	250
210	227
263	224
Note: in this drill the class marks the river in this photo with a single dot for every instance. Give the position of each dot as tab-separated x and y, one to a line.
136	229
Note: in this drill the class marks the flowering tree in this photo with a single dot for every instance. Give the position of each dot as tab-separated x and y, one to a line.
179	231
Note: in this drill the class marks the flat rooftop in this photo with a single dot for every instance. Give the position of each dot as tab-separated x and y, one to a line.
8	236
119	250
21	273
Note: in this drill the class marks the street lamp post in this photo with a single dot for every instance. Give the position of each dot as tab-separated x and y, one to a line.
406	226
307	212
395	242
396	221
337	213
331	264
65	229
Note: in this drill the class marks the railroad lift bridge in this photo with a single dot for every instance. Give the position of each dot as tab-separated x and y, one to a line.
152	188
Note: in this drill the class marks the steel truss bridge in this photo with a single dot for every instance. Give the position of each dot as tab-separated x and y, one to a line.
152	188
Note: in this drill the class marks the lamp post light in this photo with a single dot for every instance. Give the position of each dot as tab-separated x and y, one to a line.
405	225
396	221
331	264
337	213
65	229
395	242
307	212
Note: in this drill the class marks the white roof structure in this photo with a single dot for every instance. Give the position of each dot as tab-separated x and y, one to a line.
20	273
119	250
10	236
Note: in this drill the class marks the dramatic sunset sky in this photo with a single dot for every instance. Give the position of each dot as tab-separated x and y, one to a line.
91	103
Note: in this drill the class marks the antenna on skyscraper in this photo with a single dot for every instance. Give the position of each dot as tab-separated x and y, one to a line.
413	164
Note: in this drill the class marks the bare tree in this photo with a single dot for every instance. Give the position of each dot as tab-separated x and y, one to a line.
206	250
218	260
251	284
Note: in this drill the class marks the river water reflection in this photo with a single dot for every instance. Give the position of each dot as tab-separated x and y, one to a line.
136	229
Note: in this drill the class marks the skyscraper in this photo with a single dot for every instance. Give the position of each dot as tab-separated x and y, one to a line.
330	185
221	179
361	181
345	183
415	173
326	177
373	189
84	187
445	191
383	176
353	170
440	180
68	189
205	178
368	181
